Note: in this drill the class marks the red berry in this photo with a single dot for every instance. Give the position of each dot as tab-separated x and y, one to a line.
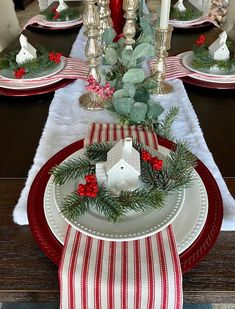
145	156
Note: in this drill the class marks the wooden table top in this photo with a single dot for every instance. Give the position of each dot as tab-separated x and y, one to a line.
26	274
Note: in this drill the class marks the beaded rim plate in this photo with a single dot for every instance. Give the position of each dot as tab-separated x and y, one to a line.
53	248
135	225
186	231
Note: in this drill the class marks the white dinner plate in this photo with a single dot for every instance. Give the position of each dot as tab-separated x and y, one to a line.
61	23
183	22
187	59
135	225
187	225
8	74
15	85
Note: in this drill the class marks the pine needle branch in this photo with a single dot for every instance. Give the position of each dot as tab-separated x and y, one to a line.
72	169
98	151
164	128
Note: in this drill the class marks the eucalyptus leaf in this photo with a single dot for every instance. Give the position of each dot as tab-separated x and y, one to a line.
127	57
141	96
110	56
108	35
154	110
121	93
144	50
130	88
134	76
123	105
138	112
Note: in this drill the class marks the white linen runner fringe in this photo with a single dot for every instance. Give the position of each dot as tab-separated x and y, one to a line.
67	122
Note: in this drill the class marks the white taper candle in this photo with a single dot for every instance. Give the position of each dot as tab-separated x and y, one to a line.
165	12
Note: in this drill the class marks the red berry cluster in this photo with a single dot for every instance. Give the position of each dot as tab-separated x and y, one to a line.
56	15
55	57
201	40
155	162
54	9
90	188
19	73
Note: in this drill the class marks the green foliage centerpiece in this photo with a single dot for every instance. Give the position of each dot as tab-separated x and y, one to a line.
131	102
158	180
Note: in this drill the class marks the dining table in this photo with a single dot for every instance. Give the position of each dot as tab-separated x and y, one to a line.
26	274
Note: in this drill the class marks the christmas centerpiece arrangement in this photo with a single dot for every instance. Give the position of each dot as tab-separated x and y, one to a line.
183	10
116	178
217	56
29	62
61	13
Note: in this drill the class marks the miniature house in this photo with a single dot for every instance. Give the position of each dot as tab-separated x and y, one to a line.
62	6
27	52
218	49
179	6
122	169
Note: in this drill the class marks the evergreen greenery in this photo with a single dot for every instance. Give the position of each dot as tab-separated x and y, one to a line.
175	174
65	15
202	60
40	64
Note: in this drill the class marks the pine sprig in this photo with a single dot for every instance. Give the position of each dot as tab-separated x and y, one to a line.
38	65
202	60
164	127
72	169
189	14
98	151
176	173
65	15
113	207
74	206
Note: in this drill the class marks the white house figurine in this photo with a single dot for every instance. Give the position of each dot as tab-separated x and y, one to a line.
218	49
27	52
62	6
122	169
179	6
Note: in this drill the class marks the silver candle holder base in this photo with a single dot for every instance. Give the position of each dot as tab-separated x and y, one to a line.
163	43
90	102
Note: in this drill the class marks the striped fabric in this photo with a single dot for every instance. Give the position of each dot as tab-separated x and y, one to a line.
174	67
38	19
74	68
140	274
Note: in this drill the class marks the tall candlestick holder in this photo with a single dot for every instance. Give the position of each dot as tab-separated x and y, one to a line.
104	16
163	43
129	30
92	51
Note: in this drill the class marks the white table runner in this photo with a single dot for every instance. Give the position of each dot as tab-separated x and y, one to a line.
67	122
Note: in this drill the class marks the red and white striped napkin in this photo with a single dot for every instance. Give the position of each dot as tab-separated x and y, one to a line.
174	67
137	274
73	69
38	19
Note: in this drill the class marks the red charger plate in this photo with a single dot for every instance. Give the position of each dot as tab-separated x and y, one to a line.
53	248
205	84
35	91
